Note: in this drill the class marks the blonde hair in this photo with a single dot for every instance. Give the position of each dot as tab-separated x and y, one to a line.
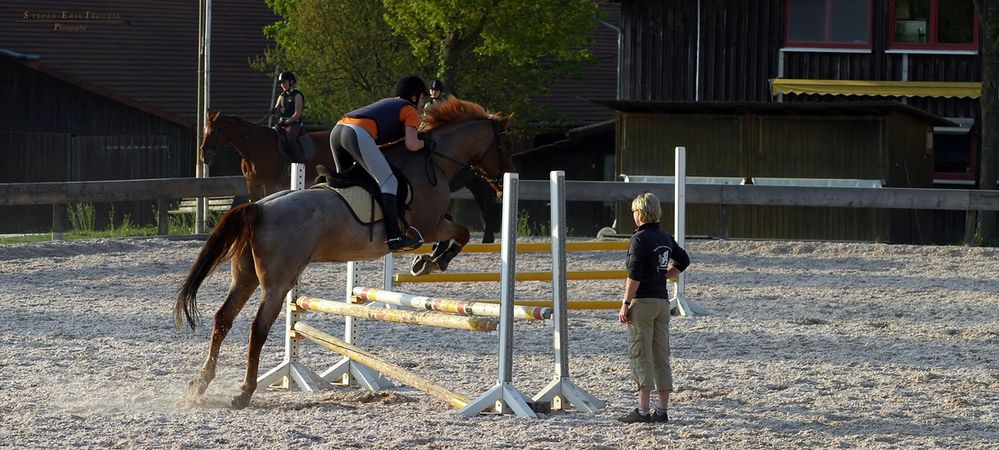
648	207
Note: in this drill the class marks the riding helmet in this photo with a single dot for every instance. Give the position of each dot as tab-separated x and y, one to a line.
287	76
437	84
410	86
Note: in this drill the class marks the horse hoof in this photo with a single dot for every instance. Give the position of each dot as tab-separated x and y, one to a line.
196	388
240	401
439	266
421	265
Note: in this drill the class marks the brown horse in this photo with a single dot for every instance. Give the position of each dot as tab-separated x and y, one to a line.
271	241
265	170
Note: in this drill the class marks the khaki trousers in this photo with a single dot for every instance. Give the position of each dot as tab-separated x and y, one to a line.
648	344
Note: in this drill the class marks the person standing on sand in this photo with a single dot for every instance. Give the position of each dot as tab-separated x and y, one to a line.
653	256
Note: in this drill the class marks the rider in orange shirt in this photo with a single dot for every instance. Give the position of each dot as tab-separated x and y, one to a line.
360	134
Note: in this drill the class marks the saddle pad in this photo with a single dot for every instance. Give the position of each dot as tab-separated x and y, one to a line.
359	201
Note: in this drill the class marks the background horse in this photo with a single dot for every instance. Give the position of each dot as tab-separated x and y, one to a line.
270	242
267	172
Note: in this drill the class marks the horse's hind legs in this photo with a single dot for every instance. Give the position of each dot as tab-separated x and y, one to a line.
271	304
241	287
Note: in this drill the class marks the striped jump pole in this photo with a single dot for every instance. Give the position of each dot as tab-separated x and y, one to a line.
427	318
392	370
503	396
468	308
562	392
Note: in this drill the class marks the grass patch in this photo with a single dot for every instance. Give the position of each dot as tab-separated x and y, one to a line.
82	221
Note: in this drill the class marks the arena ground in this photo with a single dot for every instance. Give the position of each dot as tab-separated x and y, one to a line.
812	345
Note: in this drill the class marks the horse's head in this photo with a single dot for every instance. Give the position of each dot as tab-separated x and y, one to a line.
466	135
213	138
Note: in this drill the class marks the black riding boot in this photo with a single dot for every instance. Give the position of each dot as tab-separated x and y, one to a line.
396	240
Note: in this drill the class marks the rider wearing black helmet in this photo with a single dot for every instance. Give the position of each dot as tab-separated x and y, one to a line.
437	93
361	133
288	108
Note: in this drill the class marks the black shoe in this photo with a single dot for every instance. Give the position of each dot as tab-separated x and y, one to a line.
659	416
396	240
635	417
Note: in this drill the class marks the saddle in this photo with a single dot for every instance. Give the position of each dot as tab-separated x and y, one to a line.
361	193
301	152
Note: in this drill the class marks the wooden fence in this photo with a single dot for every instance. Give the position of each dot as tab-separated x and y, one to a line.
163	190
167	189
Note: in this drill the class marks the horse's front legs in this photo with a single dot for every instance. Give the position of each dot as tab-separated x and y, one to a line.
459	236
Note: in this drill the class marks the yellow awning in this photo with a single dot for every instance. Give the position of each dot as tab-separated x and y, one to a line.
877	88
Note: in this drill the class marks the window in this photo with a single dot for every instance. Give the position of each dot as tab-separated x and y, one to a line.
934	24
954	150
829	23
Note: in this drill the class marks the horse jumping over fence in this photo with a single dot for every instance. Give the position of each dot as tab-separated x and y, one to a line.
270	242
267	171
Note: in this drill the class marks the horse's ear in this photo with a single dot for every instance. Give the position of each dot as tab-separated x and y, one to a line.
506	120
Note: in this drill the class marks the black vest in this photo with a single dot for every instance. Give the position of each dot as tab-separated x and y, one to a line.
385	113
287	108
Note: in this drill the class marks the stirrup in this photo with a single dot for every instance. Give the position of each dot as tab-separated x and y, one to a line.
403	243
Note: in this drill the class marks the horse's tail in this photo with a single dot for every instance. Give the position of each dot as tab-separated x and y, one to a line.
232	233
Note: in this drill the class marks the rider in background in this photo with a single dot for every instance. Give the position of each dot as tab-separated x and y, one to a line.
362	133
437	94
289	107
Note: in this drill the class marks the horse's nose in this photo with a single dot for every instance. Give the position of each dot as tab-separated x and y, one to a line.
204	156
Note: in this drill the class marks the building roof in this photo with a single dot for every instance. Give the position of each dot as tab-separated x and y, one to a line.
767	108
146	50
32	63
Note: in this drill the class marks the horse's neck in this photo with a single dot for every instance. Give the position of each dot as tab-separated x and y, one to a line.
460	144
247	139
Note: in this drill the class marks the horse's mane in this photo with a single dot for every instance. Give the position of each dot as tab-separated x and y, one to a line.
454	110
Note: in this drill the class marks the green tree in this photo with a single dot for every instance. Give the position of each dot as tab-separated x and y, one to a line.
499	53
988	13
343	53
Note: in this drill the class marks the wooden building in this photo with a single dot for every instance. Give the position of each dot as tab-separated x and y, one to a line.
883	142
924	54
62	129
106	89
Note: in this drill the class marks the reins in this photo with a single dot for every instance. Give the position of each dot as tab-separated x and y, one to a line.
471	164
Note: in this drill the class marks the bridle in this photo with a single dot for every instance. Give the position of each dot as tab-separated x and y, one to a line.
472	164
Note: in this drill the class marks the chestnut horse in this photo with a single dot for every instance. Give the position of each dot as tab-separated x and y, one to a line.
267	172
270	242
